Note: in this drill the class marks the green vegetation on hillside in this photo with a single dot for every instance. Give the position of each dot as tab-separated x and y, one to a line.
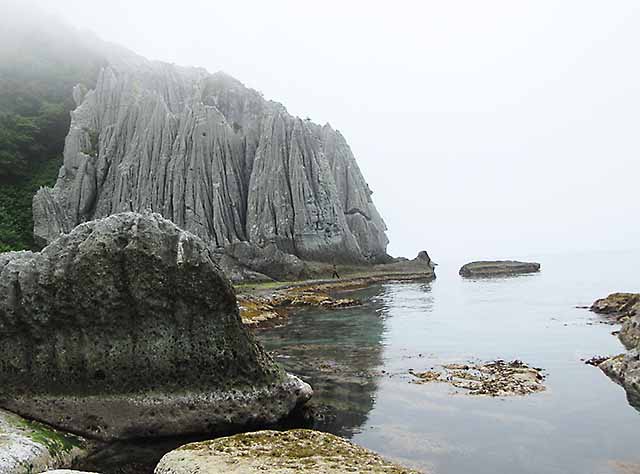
38	69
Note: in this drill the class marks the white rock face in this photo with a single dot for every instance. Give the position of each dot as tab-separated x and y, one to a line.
214	157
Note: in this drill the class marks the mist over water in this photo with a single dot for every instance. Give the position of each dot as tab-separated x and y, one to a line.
485	129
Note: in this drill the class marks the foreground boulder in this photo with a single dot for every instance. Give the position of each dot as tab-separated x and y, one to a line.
498	268
29	447
293	451
125	328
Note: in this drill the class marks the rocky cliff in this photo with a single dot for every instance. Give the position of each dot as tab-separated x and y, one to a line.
214	157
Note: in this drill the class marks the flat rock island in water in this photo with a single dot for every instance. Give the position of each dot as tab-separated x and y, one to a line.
497	268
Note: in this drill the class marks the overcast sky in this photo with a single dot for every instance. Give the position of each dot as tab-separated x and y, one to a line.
485	128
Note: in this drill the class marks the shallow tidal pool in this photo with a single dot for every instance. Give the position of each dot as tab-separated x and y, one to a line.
358	361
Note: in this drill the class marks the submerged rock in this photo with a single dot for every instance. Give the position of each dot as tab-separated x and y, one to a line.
288	452
126	328
496	379
29	447
498	268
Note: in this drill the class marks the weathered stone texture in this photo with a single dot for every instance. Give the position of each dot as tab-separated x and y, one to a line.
126	327
215	158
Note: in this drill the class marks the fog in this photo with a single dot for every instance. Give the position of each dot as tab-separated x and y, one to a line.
485	129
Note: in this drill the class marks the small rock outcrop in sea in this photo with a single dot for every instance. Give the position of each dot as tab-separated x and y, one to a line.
287	452
497	268
28	446
124	328
496	379
625	368
218	160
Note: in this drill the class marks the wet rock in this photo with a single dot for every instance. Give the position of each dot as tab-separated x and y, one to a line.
497	268
27	446
294	451
497	379
126	328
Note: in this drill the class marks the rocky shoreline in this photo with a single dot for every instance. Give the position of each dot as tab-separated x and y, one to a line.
266	303
624	369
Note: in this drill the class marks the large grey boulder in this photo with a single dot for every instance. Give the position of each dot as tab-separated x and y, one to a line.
126	327
288	452
215	158
497	268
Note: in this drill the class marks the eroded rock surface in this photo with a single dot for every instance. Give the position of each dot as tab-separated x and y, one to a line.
126	327
217	159
29	447
288	452
498	268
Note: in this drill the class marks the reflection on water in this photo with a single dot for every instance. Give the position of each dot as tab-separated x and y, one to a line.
358	360
339	354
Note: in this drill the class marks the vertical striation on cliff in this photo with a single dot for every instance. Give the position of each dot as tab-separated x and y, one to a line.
214	157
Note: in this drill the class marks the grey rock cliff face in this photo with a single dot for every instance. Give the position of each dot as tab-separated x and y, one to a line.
215	158
125	327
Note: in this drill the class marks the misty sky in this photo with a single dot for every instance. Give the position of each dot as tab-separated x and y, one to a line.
485	128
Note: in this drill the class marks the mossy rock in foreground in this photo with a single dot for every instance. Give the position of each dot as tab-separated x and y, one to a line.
294	451
28	447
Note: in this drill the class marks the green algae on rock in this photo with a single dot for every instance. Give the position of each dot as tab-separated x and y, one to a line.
285	452
126	327
28	447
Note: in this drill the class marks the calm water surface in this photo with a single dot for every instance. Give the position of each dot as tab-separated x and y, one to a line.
358	361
